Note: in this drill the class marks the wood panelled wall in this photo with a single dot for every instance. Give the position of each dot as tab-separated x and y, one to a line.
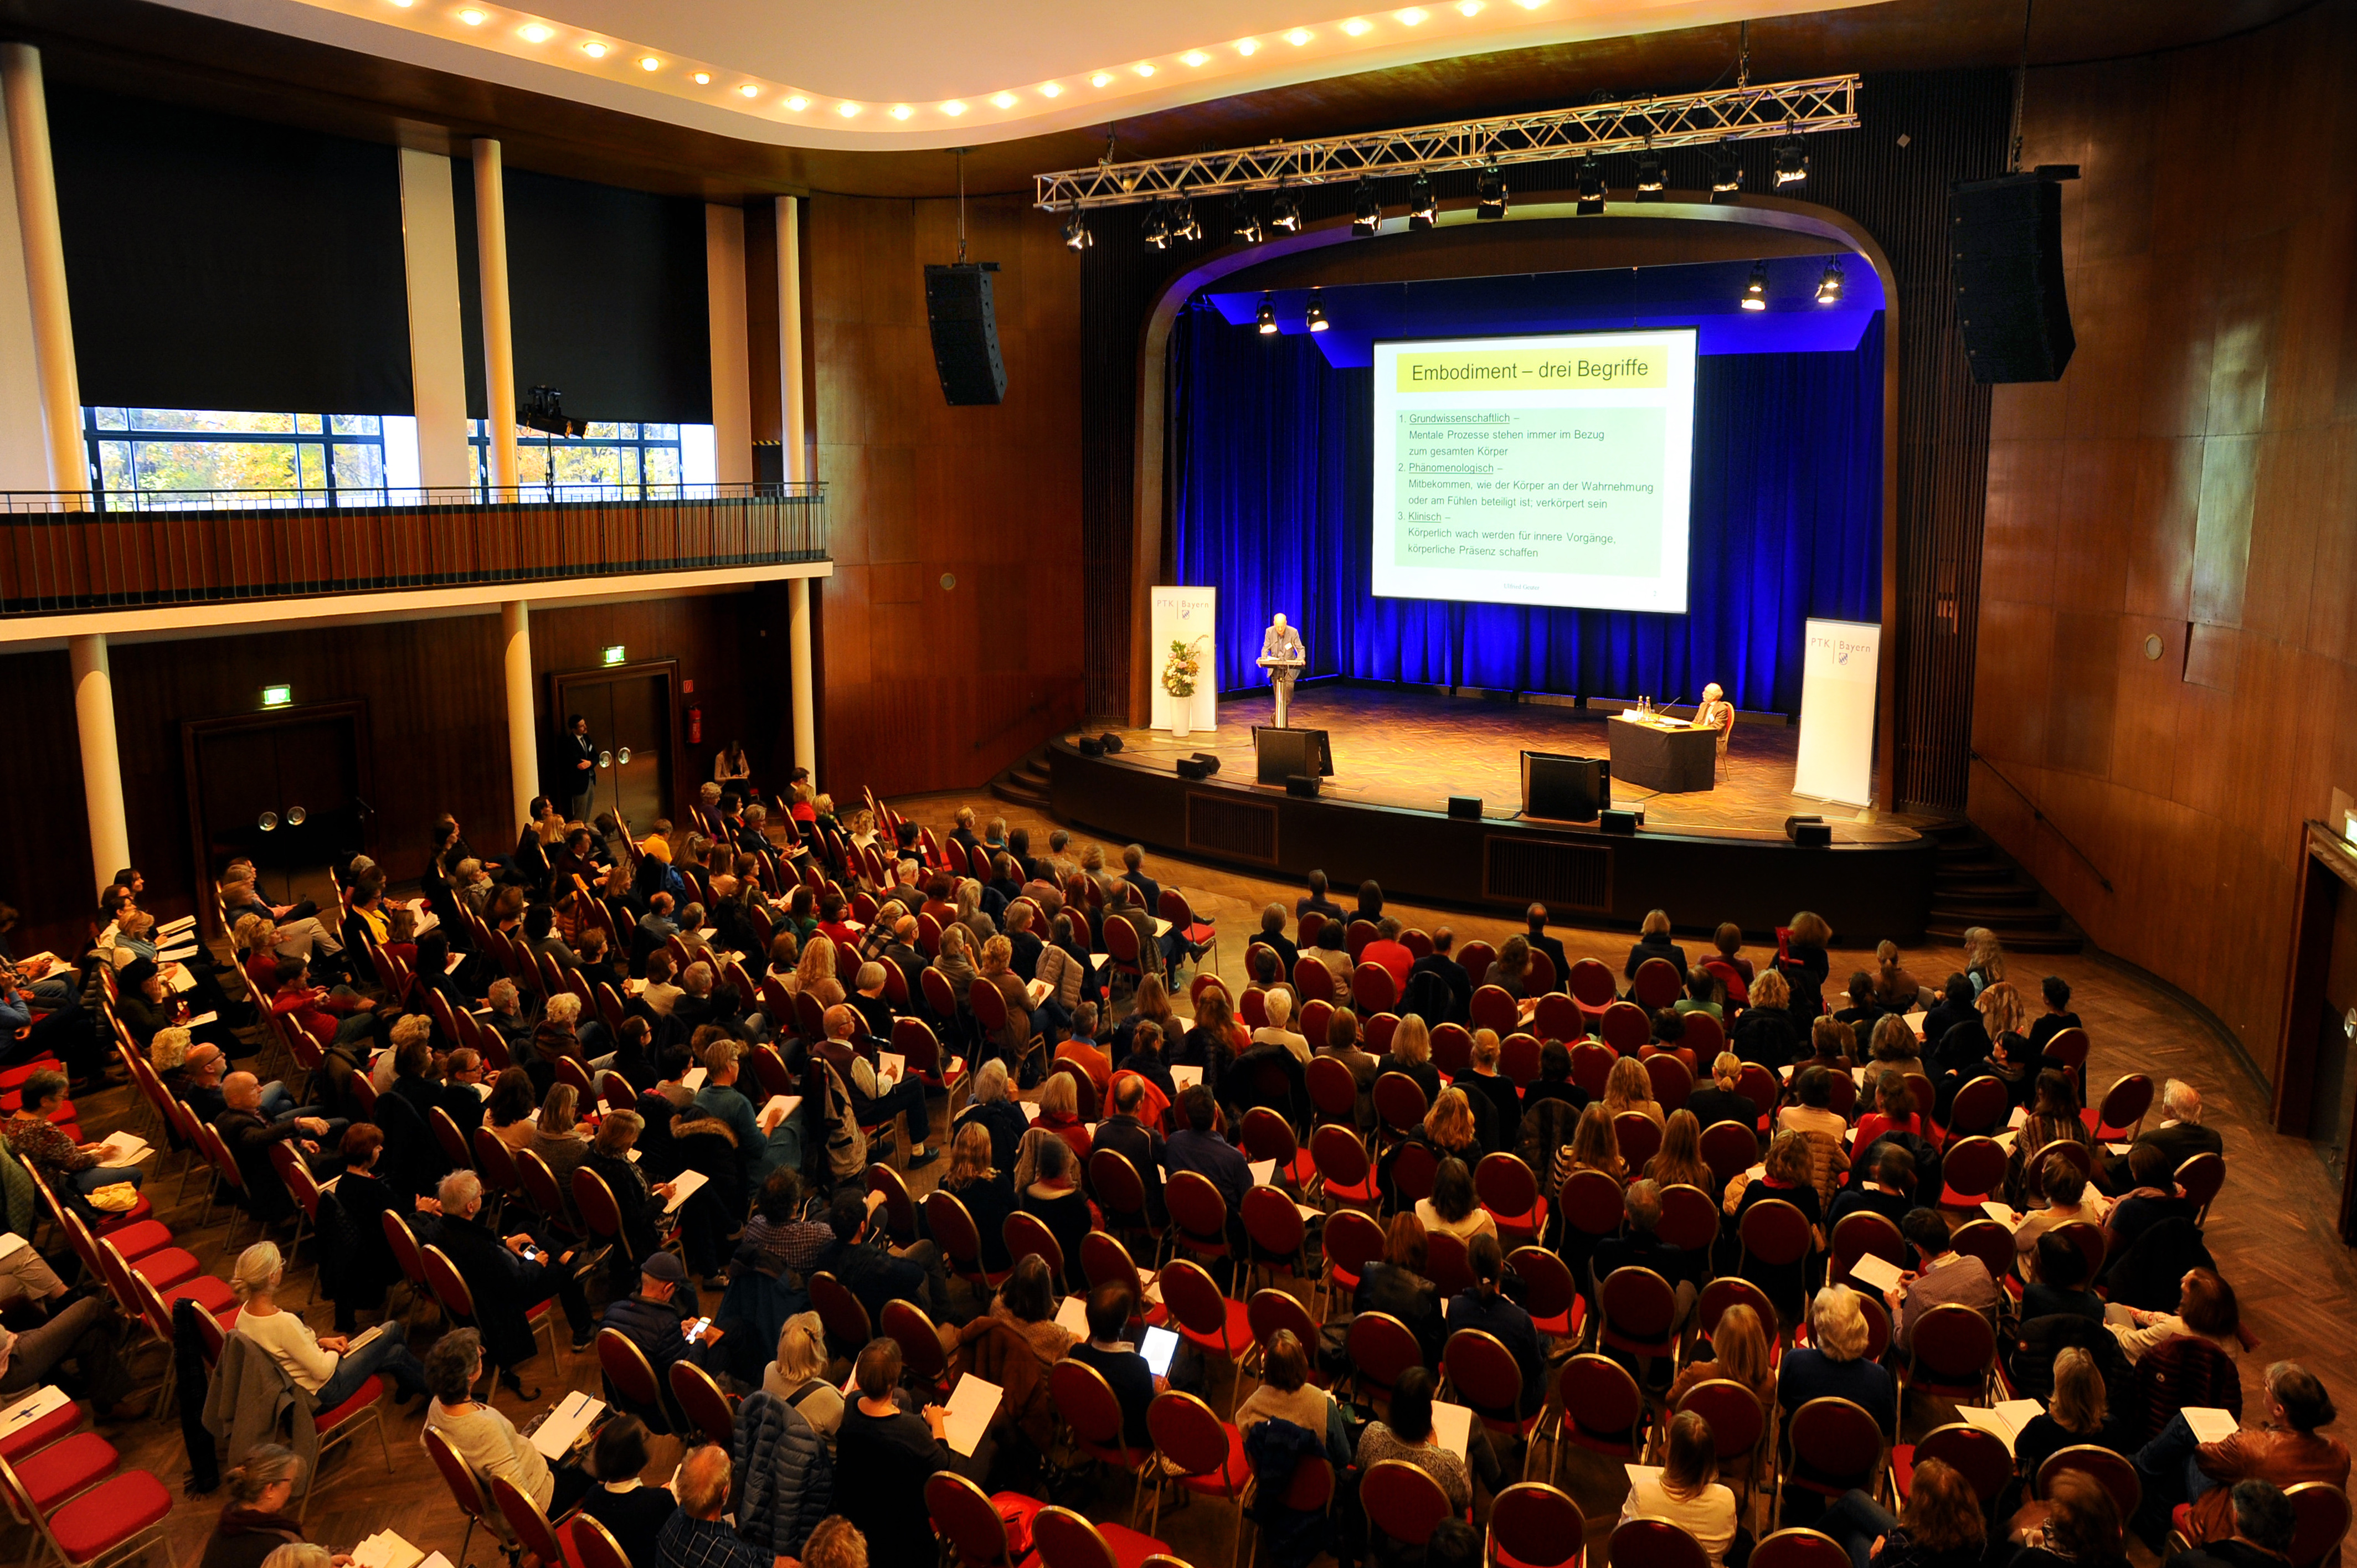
2192	480
437	720
1918	131
951	630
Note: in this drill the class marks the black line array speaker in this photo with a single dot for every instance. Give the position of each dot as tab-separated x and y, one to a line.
2006	263
965	332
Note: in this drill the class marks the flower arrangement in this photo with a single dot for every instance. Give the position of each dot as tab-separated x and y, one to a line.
1185	663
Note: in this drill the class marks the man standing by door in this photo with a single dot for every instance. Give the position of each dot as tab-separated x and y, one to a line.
580	755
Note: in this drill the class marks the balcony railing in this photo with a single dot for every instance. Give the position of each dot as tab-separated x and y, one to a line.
170	547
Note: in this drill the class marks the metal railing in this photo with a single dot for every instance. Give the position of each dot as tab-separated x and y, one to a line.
2039	814
58	553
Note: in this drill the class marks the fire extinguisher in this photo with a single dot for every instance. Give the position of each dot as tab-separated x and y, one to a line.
695	724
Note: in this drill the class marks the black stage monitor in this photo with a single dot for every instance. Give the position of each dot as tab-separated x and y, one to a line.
1285	752
1565	789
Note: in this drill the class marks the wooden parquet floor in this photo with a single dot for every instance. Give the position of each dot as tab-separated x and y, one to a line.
2270	1230
1401	745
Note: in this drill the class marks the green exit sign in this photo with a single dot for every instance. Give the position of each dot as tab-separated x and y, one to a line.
277	697
618	654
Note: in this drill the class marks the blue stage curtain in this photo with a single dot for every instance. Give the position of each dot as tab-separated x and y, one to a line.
1272	501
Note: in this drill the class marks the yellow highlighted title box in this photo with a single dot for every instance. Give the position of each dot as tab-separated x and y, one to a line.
1534	369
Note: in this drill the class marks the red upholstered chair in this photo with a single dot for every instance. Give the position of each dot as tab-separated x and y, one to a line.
1452	1050
1591	1064
1204	1317
1638	1137
1268	1136
449	1288
1970	1169
1475	959
1798	1547
1333	1093
1738	1423
1511	1193
1625	1026
1734	1290
1201	1453
1831	1446
1026	1235
1312	981
1657	1543
1558	1017
1979	1110
1556	1308
1494	1009
1672	1080
630	1377
2120	1115
1637	1314
1705	1036
1412	1169
2199	1178
592	1545
1481	1374
842	1314
1657	987
1592	989
1120	1194
1373	990
526	1522
1279	1237
1600	1408
1859	1235
1400	1102
968	1519
1067	1540
1980	1456
1270	1311
1519	1058
1199	1214
109	1520
953	1229
1346	1176
1086	1401
2117	1476
1533	1525
2320	1514
1689	1217
1402	1501
1352	1241
707	1409
1382	1350
1445	1264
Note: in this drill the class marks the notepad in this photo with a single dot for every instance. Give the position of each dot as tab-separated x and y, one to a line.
451	967
1186	1078
891	1066
185	923
693	1078
366	1336
2116	1148
1452	1426
386	1549
971	1405
32	1407
1038	991
1757	1172
183	981
1161	927
1990	1421
2002	1214
567	1422
2211	1424
1159	1347
1073	1316
1263	1171
784	1104
684	1186
1915	1021
123	1148
2020	1116
1030	1109
1879	1272
1639	1474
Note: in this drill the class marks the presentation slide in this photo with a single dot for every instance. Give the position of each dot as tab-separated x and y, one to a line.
1550	469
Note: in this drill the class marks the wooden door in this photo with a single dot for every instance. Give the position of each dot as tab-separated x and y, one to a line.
630	707
285	789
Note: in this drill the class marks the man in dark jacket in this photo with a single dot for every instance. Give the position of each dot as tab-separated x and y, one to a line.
1440	962
1272	937
1485	1309
1638	1245
1541	942
505	1282
652	1321
783	1478
874	1269
249	1137
1123	1133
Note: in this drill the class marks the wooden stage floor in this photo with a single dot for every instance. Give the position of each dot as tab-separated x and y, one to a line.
1414	748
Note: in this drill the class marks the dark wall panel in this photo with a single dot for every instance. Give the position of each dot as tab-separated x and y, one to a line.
221	262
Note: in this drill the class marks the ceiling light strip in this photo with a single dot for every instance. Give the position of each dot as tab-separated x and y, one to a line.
1691	119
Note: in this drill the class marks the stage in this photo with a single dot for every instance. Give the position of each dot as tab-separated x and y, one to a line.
1401	751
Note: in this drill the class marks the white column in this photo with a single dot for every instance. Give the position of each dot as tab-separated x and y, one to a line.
24	432
437	359
732	374
101	763
499	339
523	730
45	268
797	455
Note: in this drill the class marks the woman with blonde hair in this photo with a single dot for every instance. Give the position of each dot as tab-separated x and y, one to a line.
1983	959
254	1525
1060	1113
560	1141
1449	1127
815	972
970	913
1767	1032
1790	1177
1680	1161
1503	1100
1593	1148
1630	1087
327	1370
1686	1490
2074	1415
987	1192
1739	1355
799	1373
1410	1053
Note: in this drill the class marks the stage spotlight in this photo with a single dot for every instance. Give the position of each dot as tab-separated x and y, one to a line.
1590	187
1367	215
1489	194
1792	162
1726	175
1422	211
1829	287
1315	315
1267	314
1246	226
1283	216
1184	224
1652	183
1076	235
1755	293
1158	228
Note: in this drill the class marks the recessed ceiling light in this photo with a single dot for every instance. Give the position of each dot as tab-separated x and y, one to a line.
1101	79
534	33
1412	15
1530	4
1356	26
901	111
594	49
473	17
648	62
1004	101
1144	68
1299	36
405	4
1196	57
1468	8
797	103
1052	89
954	108
1249	46
846	110
703	79
750	91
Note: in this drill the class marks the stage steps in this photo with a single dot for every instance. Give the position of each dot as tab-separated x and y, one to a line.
1026	783
1977	883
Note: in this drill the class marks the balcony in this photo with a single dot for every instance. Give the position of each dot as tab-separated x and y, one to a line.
153	549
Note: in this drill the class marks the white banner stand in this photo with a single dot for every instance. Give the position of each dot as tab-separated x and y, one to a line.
1185	615
1837	691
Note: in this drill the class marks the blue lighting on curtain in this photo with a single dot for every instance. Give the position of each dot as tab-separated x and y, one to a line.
1271	460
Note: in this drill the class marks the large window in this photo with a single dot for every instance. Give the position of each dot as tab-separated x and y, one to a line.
149	456
612	461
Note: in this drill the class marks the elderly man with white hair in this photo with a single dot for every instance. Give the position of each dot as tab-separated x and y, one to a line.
1715	711
1277	1001
507	1275
2179	1136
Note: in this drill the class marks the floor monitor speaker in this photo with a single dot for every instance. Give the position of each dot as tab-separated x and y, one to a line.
1621	824
1465	806
1814	835
2004	259
1091	747
965	332
1302	784
1192	768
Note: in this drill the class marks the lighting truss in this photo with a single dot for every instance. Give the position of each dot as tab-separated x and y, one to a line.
1681	120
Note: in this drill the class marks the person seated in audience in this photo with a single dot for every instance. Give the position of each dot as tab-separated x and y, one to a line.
654	1319
1594	1147
767	1139
2179	1136
978	910
1027	945
798	1375
1505	1101
254	1527
864	1262
778	1239
1484	1307
1387	951
1765	1032
1555	1080
2076	1414
249	1134
1630	1087
1331	950
1109	1352
1983	958
893	1452
1316	903
86	1330
632	1513
1943	1277
2285	1451
1705	993
1453	1209
1834	1364
871	1103
1196	1147
541	936
2206	1309
508	1019
986	1189
1954	1032
1738	1354
1942	1525
995	1109
513	1110
2059	1288
1653	941
504	1281
482	1436
903	951
700	1535
1668	1028
1893	1108
1510	971
2070	1200
2078	1527
1012	1042
816	970
366	1198
1804	964
1211	1044
1410	1053
1831	1043
2053	1118
1272	935
1048	1186
1279	1005
146	1005
1406	1433
2153	1198
1679	1162
1718	1098
1788	1177
1686	1490
644	1205
1895	990
330	1370
341	1017
2010	1059
1886	1188
2057	1018
1286	1393
298	927
561	1141
1125	1131
1442	965
1396	1284
2264	1528
1638	1244
1893	1047
1863	1012
1812	1112
1060	1113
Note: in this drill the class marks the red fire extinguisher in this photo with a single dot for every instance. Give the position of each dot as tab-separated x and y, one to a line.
695	724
